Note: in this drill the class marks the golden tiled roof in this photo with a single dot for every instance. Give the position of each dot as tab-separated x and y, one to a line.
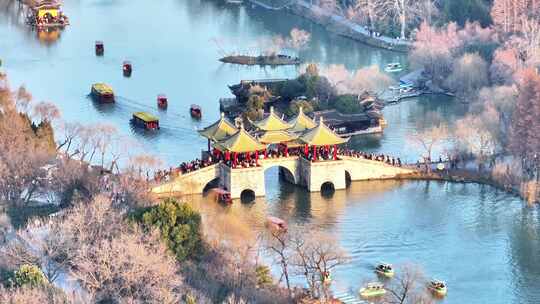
272	122
240	142
219	130
301	122
275	137
321	135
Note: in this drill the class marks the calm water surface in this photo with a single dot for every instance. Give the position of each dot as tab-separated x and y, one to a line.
483	242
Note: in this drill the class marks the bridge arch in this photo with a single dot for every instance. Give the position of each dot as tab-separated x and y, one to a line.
286	173
214	183
328	187
247	196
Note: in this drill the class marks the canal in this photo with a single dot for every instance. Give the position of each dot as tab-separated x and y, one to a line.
485	243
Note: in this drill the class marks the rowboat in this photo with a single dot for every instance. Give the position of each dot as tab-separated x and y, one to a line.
162	101
276	223
126	68
195	111
385	270
438	287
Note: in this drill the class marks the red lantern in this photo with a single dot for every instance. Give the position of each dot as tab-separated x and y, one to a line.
306	150
335	152
257	158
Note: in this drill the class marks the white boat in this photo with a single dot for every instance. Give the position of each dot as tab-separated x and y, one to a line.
393	67
234	1
372	290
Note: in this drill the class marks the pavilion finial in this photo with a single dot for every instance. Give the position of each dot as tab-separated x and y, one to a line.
222	115
300	109
272	110
321	120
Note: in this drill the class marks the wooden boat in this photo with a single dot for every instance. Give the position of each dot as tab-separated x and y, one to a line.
222	196
438	287
162	101
372	290
126	68
145	120
195	111
102	93
276	223
100	48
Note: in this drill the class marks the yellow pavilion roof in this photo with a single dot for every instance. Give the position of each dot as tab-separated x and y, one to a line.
301	122
219	130
275	137
295	143
272	122
322	135
240	142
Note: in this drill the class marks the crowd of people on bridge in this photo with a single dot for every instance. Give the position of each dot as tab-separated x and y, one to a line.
394	161
251	159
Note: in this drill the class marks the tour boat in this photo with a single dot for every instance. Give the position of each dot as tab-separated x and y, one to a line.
276	223
102	93
100	48
437	287
195	111
126	68
162	101
393	67
145	120
372	290
385	270
222	196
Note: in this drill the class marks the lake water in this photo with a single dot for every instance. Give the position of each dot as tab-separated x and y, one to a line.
485	243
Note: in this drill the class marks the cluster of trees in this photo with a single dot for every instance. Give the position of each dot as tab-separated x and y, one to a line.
494	69
401	18
333	87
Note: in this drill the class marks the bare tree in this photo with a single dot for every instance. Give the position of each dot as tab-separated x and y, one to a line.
46	111
428	140
409	287
469	75
370	79
277	243
316	255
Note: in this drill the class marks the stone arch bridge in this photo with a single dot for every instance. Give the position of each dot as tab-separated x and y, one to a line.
296	170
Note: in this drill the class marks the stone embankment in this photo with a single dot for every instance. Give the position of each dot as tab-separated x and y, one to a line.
261	60
337	24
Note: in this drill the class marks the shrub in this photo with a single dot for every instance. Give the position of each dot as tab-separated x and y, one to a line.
264	277
179	225
29	275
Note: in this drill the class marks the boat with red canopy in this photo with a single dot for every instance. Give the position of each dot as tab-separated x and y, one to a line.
195	111
162	101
